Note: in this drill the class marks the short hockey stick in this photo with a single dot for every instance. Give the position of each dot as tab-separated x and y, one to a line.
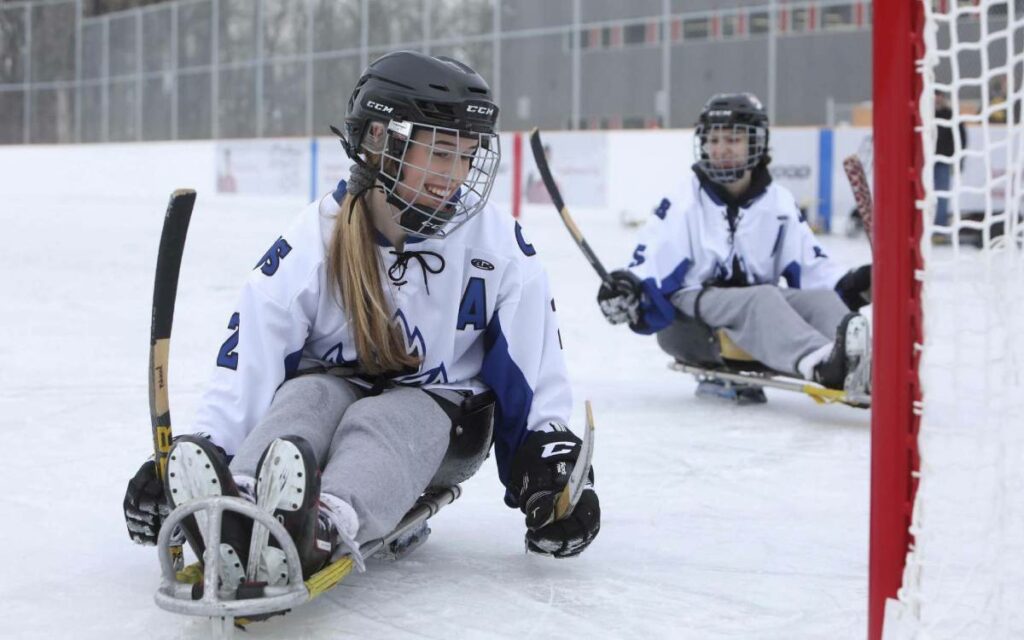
858	179
165	290
570	495
556	198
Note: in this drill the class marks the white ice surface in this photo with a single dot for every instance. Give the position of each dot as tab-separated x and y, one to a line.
718	521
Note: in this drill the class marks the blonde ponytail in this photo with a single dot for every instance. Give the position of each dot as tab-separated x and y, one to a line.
354	268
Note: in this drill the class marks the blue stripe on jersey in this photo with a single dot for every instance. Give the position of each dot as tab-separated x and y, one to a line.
514	396
339	191
778	238
792	274
291	363
656	310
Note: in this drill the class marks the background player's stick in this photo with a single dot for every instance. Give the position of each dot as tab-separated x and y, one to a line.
165	289
556	197
858	179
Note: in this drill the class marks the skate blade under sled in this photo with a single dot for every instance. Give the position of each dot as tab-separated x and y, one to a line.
200	589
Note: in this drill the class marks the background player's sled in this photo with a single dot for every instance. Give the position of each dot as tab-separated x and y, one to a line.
724	370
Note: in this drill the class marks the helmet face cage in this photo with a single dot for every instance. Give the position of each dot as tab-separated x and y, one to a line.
757	145
464	199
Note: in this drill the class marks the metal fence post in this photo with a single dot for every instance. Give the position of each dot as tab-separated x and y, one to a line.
259	68
26	120
105	103
666	63
574	39
310	8
496	50
215	69
174	71
79	90
364	35
138	75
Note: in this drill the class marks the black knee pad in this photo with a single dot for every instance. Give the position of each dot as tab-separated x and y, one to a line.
690	341
470	438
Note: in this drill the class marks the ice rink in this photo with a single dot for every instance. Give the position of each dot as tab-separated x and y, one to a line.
719	521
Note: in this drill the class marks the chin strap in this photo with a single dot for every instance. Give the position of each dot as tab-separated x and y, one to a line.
362	176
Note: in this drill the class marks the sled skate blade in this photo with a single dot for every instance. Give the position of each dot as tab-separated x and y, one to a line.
741	394
404	544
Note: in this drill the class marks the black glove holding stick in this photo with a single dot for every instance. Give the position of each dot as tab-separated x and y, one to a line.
540	470
620	298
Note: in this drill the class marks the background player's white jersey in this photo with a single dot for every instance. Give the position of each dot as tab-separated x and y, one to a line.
476	307
688	243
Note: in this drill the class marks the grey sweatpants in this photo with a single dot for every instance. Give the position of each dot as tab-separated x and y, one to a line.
776	326
377	453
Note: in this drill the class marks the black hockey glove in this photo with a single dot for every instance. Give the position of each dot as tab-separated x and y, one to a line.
145	505
620	299
855	287
539	471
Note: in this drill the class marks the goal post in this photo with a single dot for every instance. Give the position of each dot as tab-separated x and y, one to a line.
946	556
895	87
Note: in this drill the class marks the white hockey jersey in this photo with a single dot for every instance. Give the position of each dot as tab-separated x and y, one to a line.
475	306
689	243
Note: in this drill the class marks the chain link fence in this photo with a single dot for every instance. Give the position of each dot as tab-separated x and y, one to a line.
194	69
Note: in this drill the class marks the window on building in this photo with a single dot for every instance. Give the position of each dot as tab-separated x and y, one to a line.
837	17
730	26
696	29
635	34
759	23
800	20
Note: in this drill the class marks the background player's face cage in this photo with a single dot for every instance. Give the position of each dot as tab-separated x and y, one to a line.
437	178
718	151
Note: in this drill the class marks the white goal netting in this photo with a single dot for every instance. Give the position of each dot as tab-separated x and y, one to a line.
964	575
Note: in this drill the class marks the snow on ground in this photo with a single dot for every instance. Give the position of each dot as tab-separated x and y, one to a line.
718	521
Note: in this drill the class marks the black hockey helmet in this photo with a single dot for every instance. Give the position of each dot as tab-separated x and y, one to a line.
734	113
408	93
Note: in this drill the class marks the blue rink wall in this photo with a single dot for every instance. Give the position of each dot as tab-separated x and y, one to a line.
626	172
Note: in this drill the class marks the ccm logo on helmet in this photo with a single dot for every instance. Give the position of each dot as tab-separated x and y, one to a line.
480	111
376	106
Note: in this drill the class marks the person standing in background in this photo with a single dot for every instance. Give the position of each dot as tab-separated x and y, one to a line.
945	148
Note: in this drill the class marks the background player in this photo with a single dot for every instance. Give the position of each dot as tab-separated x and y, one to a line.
720	243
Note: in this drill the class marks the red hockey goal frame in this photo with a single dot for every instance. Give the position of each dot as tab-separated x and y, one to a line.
897	44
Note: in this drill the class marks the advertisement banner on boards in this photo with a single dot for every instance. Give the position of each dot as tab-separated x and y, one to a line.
794	153
578	161
268	167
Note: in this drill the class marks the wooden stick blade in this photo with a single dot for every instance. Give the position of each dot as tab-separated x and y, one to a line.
570	495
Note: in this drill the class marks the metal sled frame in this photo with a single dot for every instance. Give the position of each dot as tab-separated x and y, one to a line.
220	603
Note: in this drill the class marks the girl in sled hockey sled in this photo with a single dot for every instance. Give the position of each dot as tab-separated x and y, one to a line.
705	276
384	341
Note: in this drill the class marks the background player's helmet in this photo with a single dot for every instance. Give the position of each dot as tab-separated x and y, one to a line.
408	92
732	112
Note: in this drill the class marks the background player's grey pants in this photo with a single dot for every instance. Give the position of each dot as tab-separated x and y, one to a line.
776	326
377	453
